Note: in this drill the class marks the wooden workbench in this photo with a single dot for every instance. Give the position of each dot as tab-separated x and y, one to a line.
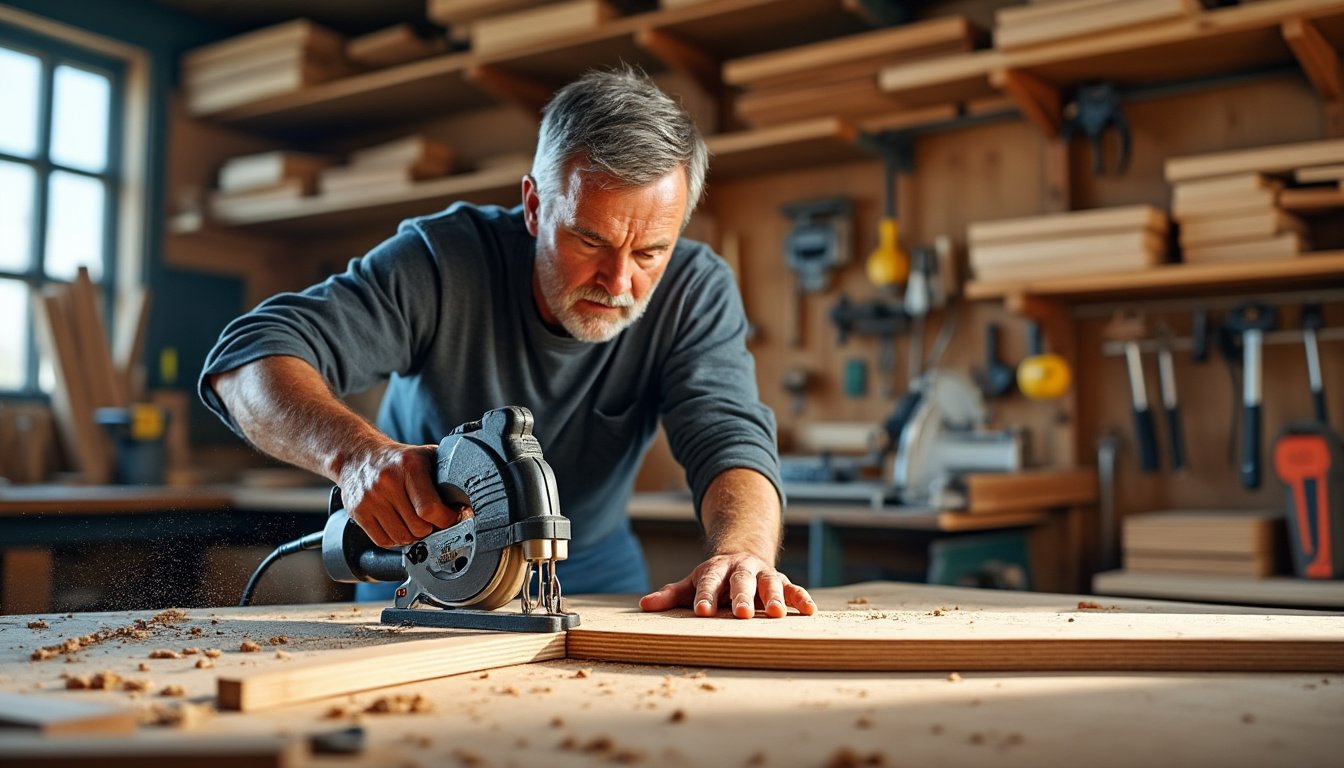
584	712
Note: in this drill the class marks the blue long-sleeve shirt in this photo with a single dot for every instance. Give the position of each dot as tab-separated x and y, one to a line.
445	311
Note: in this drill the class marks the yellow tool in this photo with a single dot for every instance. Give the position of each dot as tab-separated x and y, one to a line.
888	264
1042	375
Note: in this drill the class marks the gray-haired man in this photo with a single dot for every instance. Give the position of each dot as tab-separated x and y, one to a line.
551	305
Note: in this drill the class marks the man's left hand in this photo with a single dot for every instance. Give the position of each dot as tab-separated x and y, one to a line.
740	580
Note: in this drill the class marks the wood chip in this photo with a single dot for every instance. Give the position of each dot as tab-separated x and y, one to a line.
143	667
400	704
584	673
181	715
845	757
757	758
279	640
213	653
954	677
863	723
164	653
249	646
678	716
39	624
557	722
173	690
190	651
204	663
141	685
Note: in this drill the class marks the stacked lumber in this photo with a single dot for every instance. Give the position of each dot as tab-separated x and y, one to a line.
252	183
839	77
494	26
1073	244
1210	543
72	336
391	46
1241	205
395	164
1019	26
267	62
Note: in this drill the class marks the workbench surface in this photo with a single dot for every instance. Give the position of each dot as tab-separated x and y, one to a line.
583	712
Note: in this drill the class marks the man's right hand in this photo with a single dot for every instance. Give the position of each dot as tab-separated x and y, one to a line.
390	492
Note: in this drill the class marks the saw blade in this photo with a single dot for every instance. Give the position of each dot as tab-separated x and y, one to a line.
448	569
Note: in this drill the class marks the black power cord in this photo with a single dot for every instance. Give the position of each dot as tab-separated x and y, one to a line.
311	541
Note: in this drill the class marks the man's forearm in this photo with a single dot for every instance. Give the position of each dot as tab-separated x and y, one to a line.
741	514
284	407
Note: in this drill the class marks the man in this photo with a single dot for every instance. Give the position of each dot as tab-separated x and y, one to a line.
551	306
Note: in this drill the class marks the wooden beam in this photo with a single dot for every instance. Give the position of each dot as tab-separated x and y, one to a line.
53	716
920	630
1320	62
695	62
1038	100
512	88
361	669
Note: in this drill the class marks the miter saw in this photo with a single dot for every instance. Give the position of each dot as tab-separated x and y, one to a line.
938	434
457	577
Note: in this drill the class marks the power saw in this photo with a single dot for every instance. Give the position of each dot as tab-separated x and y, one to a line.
512	539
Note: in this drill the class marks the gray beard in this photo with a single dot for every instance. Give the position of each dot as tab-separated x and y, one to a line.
587	328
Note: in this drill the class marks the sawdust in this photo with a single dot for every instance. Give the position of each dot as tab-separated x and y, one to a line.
557	722
857	601
141	629
756	758
204	663
844	757
468	758
400	704
249	646
213	653
953	677
39	624
190	651
586	672
106	680
181	715
677	716
173	690
284	655
708	687
143	667
279	640
164	653
863	723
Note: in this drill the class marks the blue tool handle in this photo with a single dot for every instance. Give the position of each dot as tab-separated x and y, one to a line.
1318	397
1177	438
1145	434
1250	446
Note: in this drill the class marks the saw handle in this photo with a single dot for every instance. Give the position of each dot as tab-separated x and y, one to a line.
1145	434
1250	446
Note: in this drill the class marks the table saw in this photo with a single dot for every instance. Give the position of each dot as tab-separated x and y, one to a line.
991	678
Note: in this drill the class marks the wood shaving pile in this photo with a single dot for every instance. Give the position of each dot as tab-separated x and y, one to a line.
400	704
140	630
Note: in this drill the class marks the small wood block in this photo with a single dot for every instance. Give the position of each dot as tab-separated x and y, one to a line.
1043	489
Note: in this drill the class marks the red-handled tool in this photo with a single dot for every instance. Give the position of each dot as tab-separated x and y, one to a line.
1309	460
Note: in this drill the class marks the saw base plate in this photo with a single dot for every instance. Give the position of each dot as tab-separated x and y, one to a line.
467	618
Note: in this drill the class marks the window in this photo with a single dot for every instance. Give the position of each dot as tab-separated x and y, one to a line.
59	177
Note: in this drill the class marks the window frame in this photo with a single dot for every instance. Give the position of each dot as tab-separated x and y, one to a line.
52	53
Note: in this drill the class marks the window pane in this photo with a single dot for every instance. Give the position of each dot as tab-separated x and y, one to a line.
74	226
14	314
17	185
22	76
79	112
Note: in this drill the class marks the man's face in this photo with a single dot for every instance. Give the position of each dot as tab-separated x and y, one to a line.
601	249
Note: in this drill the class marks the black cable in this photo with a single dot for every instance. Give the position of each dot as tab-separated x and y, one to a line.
311	541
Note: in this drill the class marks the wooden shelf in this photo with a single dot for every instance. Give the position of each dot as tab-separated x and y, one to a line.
443	84
1218	41
1311	269
492	186
1276	590
783	147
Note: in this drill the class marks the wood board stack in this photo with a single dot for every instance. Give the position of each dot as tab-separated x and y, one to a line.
1072	244
1019	26
393	165
839	77
250	184
1209	543
495	26
268	62
71	334
1242	205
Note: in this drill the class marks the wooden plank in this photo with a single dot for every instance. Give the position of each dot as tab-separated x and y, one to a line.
1089	19
1261	225
895	631
1095	221
1283	158
1284	590
1205	532
1245	204
1319	173
1249	567
71	402
1077	247
108	385
1310	200
450	12
954	78
56	716
298	34
275	81
1041	489
1285	246
362	669
265	170
213	751
407	150
850	99
1226	186
506	32
128	340
1055	267
1030	12
867	52
394	45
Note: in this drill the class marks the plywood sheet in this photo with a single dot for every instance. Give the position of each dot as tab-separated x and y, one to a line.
888	627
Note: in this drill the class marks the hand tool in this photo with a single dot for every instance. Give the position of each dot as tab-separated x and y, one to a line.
1251	320
1199	335
1166	379
1042	375
1096	108
457	576
997	379
883	319
1108	445
1309	461
819	242
1128	328
1311	323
